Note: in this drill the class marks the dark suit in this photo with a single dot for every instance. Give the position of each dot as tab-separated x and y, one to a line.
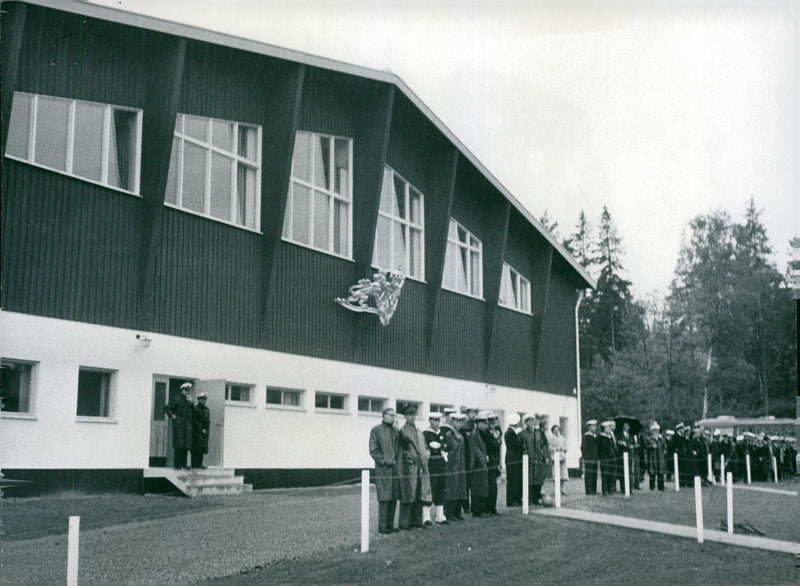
607	454
513	468
589	454
201	426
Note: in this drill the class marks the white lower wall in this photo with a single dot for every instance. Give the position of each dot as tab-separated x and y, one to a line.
256	436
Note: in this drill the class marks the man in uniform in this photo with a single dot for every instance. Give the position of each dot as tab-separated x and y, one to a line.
478	468
456	485
513	462
626	443
412	466
535	445
437	446
589	454
492	437
201	426
383	449
181	412
607	455
655	453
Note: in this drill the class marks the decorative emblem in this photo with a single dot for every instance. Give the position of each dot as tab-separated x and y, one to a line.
384	290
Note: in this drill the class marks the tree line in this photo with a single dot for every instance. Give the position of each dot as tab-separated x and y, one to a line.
722	341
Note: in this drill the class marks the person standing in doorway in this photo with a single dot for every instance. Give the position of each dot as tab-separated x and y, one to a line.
181	411
201	427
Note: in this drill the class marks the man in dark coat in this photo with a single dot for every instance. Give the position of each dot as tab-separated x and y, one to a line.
201	426
589	455
478	468
513	462
412	467
655	454
437	446
492	437
383	442
534	444
626	443
607	455
181	412
456	486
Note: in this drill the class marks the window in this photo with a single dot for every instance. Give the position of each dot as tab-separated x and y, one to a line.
95	142
329	401
463	264
515	290
94	393
399	236
318	211
215	169
371	404
286	397
439	407
401	405
238	393
15	392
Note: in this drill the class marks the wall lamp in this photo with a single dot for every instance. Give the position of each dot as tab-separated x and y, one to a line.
144	341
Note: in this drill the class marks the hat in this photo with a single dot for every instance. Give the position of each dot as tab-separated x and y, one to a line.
606	423
655	425
592	422
527	416
410	410
717	432
790	439
185	386
449	410
486	415
749	434
774	438
458	416
434	415
679	426
202	396
513	418
739	438
669	432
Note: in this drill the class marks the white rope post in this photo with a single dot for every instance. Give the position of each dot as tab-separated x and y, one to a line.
677	476
722	469
626	472
525	485
698	507
747	460
775	468
729	490
364	511
557	481
72	550
710	470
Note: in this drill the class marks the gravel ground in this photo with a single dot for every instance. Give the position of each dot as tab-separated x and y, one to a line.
253	530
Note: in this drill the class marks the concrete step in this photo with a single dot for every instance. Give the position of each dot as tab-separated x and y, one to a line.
217	490
230	481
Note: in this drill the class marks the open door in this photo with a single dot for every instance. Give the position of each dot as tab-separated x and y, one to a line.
215	389
165	390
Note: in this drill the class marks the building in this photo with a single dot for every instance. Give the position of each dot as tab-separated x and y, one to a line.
185	205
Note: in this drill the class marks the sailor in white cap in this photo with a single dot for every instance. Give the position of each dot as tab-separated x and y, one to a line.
535	445
513	461
478	467
435	438
655	449
589	457
493	439
607	454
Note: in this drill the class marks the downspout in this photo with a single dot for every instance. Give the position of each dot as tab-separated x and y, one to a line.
578	360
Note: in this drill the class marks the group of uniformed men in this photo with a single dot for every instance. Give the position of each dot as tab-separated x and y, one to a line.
652	452
452	467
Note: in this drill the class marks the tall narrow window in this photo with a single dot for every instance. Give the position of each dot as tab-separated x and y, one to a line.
400	234
215	169
94	393
318	208
515	290
463	263
95	142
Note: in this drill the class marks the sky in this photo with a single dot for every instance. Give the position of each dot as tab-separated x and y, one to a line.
660	111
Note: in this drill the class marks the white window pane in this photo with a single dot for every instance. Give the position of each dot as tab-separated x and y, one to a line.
452	231
194	177
415	253
475	274
514	287
505	286
450	264
321	217
122	149
462	270
246	196
171	195
51	133
387	191
322	162
525	296
19	126
247	142
342	166
399	260
195	127
399	203
301	159
87	158
383	234
416	207
222	135
220	186
341	231
300	213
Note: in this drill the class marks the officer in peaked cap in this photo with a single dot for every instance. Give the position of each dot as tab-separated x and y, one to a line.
478	466
589	456
436	440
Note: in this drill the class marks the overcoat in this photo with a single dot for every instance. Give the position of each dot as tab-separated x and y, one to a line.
607	453
383	448
456	487
201	424
655	454
182	410
477	463
534	444
558	454
415	481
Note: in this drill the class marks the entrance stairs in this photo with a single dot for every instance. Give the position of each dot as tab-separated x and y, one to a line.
202	482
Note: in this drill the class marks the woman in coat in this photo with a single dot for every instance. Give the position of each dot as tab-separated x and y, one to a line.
415	481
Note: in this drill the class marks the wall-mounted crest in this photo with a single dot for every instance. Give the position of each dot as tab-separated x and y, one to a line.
384	290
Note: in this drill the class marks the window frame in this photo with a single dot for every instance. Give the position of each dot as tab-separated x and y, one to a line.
330	409
301	397
441	407
371	411
518	278
331	195
209	149
468	269
405	223
68	170
239	403
30	413
110	400
406	402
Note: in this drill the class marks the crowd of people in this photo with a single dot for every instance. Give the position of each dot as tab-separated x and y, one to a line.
452	468
653	453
